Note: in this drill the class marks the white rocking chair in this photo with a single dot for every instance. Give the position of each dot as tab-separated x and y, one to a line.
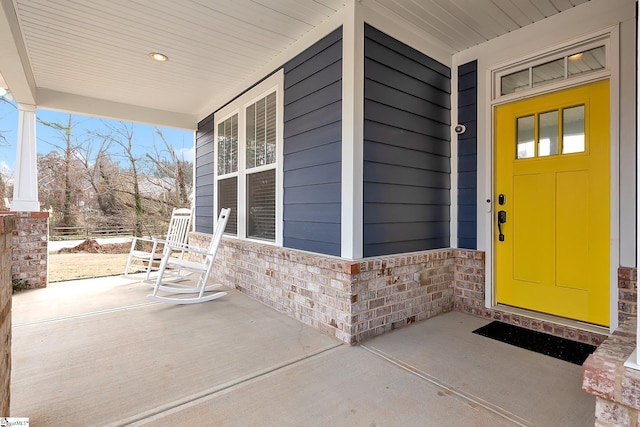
177	233
178	276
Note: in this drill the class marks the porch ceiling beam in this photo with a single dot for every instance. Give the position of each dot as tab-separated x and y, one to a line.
53	100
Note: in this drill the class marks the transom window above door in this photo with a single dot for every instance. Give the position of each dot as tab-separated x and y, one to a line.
570	65
564	68
551	133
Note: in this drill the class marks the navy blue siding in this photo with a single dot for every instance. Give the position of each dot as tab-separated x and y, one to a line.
313	147
467	156
204	176
407	173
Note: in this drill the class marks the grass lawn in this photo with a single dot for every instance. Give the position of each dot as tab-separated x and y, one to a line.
83	265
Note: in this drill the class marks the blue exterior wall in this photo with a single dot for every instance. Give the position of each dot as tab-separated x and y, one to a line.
467	155
204	176
313	147
407	148
312	151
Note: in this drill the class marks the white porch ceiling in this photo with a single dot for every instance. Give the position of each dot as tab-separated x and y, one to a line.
90	56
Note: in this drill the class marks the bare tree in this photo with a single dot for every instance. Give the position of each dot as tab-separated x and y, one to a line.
100	173
122	134
68	145
173	168
3	132
120	184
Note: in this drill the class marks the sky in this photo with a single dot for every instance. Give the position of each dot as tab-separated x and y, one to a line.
144	136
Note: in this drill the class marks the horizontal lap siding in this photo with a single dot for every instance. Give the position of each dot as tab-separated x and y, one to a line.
467	156
204	176
407	148
313	147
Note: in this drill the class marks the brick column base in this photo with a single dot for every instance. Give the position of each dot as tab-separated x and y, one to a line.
30	243
617	388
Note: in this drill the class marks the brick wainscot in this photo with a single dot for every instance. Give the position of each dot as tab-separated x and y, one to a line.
357	300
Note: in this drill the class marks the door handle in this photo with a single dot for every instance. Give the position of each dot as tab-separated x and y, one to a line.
502	218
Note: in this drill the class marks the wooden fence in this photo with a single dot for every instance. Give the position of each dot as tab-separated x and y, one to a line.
81	233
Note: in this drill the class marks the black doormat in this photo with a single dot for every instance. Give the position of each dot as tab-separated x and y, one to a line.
560	348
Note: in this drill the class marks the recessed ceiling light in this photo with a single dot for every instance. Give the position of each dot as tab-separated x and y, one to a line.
160	57
576	56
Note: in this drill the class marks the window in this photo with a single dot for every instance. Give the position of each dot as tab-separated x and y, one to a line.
261	132
261	153
261	205
227	146
228	198
248	156
561	66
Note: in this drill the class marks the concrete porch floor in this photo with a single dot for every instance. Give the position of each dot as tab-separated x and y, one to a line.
96	352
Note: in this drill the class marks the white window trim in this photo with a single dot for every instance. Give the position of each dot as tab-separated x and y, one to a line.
273	83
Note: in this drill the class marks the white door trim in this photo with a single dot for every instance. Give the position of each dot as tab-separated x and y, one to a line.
486	156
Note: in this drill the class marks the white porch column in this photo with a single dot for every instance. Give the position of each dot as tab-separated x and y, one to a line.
25	185
634	359
352	132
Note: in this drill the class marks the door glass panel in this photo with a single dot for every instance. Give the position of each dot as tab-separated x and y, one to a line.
549	72
514	82
548	134
573	130
586	62
525	147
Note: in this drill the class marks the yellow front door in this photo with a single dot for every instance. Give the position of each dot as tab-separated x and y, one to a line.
552	203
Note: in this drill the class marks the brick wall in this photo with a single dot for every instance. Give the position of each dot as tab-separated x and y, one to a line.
617	388
7	226
393	291
627	293
30	256
357	300
351	301
469	281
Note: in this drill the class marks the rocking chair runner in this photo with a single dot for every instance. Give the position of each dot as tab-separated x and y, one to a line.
177	233
178	275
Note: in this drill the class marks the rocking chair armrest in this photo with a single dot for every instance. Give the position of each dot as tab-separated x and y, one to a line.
143	239
188	248
167	243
